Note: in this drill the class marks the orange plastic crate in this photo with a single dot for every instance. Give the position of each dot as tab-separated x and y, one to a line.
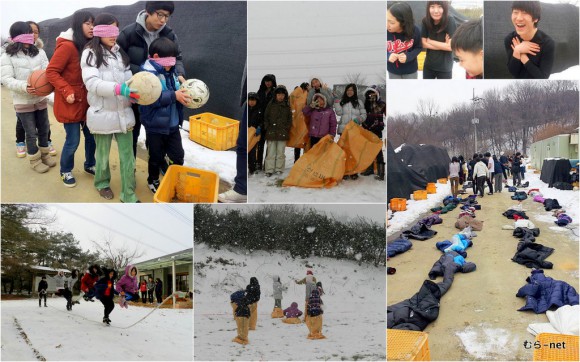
187	184
442	180
407	346
398	204
431	188
213	131
420	195
556	347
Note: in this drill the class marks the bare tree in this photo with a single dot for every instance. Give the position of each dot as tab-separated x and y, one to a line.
356	78
114	255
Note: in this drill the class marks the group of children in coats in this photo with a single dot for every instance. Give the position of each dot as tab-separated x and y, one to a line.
90	70
271	111
96	283
245	307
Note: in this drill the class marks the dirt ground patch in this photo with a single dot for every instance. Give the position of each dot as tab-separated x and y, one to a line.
478	318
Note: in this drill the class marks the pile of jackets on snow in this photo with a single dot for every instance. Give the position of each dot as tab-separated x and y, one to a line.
551	204
543	293
528	253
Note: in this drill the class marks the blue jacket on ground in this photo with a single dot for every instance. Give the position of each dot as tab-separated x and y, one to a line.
543	293
398	246
166	114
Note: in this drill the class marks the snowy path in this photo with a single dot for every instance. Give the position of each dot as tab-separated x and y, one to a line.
80	335
478	318
354	317
262	189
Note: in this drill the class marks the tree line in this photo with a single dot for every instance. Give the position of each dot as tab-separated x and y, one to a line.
303	232
29	240
510	119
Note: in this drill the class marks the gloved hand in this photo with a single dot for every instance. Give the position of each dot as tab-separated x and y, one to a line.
356	120
124	90
314	104
258	131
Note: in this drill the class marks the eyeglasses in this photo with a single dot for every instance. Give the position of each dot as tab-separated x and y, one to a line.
162	16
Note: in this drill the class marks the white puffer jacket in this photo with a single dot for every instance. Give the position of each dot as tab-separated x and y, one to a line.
347	113
15	72
107	113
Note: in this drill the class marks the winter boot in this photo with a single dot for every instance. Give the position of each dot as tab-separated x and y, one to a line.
381	172
46	157
122	301
36	163
45	305
369	171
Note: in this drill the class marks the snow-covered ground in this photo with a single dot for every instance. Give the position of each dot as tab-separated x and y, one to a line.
568	199
262	189
198	156
353	321
79	335
570	73
404	219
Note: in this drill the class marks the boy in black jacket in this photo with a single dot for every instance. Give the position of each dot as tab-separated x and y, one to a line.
254	120
42	288
136	38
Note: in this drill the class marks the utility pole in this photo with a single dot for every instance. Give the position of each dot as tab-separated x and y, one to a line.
475	121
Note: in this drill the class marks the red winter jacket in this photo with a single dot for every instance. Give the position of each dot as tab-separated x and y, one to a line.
64	73
88	282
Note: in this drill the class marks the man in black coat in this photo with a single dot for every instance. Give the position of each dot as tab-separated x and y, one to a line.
42	288
135	39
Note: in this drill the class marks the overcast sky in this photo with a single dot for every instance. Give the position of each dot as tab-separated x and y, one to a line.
403	95
297	41
158	229
376	213
35	10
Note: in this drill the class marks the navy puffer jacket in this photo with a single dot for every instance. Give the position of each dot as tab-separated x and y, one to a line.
543	293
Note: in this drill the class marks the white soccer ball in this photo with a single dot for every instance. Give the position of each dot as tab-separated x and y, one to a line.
198	91
147	85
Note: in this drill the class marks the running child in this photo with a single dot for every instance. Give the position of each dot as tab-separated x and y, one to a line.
127	286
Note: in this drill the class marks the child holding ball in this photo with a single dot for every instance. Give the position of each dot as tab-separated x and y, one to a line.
105	70
163	118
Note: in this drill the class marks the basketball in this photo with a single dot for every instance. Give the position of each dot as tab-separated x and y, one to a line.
147	85
37	80
198	91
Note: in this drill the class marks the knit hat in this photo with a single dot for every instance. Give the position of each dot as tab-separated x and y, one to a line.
252	95
309	272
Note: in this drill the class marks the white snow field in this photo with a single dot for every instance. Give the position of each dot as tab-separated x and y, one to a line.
415	209
266	189
55	334
198	156
353	320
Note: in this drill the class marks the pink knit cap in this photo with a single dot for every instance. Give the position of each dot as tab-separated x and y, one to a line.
106	31
24	39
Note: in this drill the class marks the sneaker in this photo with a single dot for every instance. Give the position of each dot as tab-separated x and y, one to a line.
278	172
90	170
20	149
268	174
232	196
106	193
51	150
68	179
153	186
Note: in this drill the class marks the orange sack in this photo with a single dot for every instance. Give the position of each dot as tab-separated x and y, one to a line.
322	166
361	147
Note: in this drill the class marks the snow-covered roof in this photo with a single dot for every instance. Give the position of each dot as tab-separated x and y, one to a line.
46	268
180	258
